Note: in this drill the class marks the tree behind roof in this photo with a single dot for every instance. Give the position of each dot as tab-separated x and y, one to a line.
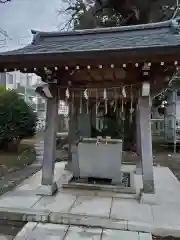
83	14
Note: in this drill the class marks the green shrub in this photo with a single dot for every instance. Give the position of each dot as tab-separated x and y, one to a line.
17	119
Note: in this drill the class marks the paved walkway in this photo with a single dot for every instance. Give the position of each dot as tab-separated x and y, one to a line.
46	231
98	208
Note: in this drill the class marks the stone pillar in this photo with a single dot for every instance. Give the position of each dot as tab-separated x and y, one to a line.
79	126
84	124
48	186
144	106
71	134
138	144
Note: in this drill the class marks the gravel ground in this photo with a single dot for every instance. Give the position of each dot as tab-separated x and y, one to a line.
10	229
13	179
165	238
164	158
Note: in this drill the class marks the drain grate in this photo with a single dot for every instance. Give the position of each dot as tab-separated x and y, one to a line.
102	181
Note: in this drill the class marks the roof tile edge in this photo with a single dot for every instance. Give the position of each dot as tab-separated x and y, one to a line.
104	30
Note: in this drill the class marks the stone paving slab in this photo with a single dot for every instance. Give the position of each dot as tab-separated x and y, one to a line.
118	234
60	203
12	201
92	206
166	216
33	231
131	210
167	188
25	231
145	236
80	233
48	232
34	181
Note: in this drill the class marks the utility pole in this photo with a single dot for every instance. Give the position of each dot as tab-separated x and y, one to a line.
25	88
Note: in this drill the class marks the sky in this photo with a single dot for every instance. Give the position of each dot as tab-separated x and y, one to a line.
18	17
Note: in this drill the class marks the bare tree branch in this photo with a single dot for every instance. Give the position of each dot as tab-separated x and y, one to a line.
4	1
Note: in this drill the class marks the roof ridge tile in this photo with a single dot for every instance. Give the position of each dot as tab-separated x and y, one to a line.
39	34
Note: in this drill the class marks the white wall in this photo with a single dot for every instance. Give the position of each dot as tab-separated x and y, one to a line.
178	109
171	110
155	114
20	79
3	79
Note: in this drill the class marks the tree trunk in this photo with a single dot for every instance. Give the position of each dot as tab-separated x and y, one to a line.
13	146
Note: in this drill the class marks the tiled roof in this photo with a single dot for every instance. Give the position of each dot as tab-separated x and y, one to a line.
121	38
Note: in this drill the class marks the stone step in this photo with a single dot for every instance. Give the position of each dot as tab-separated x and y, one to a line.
49	231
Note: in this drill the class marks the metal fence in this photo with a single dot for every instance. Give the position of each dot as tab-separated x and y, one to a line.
40	126
158	127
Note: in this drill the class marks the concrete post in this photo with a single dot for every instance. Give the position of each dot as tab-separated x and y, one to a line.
81	127
48	186
71	133
146	144
84	125
138	144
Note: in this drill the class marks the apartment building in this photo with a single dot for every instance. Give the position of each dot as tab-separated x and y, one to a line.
25	84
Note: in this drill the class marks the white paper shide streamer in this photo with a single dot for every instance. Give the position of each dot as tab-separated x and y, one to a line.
122	101
67	94
105	100
87	100
131	107
97	103
81	99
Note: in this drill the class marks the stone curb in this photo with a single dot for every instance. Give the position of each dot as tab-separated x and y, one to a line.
90	221
24	215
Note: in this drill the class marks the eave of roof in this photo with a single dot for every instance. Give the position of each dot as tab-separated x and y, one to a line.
102	40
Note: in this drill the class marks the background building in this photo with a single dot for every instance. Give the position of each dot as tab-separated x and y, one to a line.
25	85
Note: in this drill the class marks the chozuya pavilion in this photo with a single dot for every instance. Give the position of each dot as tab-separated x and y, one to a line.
92	70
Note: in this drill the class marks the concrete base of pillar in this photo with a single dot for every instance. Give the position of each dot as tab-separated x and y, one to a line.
68	166
148	187
47	190
138	169
117	180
